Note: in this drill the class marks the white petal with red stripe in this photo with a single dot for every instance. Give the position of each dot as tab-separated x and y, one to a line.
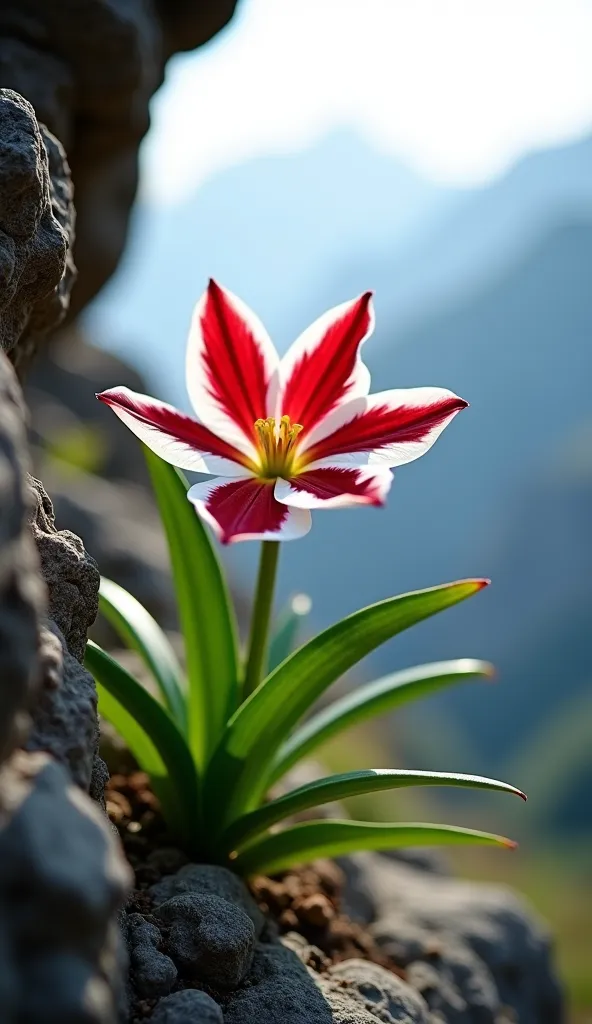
247	510
173	436
390	428
323	368
230	362
335	487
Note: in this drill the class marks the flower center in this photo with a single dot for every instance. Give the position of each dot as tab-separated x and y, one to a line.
277	446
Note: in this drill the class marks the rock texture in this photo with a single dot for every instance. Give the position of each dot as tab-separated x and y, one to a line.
89	68
62	879
188	1005
62	873
36	226
65	720
209	938
154	972
21	591
468	949
205	922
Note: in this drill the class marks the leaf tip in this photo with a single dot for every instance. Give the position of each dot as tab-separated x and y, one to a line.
509	844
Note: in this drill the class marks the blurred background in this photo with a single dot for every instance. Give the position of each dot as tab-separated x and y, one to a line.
439	153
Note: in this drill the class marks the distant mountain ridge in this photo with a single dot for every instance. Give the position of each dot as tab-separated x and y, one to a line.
273	230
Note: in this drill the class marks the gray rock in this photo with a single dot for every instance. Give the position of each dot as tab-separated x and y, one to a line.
212	880
22	594
380	992
71	575
472	950
36	221
62	879
153	973
89	67
190	1006
65	719
209	938
280	990
65	722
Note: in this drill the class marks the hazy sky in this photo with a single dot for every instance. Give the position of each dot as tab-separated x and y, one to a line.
458	88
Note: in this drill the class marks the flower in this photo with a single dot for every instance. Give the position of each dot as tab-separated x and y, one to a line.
283	436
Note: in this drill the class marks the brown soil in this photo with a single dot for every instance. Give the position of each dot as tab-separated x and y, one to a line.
306	900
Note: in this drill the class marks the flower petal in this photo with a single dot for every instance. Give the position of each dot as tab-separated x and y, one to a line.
247	510
230	361
390	428
176	438
335	487
323	368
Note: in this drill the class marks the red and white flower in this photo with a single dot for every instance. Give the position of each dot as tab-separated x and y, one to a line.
283	436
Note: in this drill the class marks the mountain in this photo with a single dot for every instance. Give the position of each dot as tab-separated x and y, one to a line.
492	498
272	230
467	241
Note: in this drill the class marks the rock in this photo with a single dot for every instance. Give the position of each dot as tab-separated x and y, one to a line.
209	938
190	1006
210	880
187	25
469	949
90	67
36	224
153	973
280	990
62	879
71	575
380	992
22	595
65	719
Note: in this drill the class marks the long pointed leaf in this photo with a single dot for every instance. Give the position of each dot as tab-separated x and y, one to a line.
347	784
145	753
303	843
205	611
241	763
159	728
141	633
373	699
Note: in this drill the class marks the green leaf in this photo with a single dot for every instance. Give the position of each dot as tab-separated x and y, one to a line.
144	751
303	843
240	766
140	632
285	636
205	611
161	735
340	787
372	699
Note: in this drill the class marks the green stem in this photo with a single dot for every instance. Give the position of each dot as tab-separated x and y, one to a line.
261	615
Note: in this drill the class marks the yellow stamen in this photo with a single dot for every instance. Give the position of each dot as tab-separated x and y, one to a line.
277	446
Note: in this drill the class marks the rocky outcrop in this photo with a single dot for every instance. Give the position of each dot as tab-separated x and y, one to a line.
36	227
204	929
65	721
22	594
89	68
62	879
466	948
62	874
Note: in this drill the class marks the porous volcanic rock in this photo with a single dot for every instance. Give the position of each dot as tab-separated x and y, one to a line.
21	590
62	879
469	949
36	227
